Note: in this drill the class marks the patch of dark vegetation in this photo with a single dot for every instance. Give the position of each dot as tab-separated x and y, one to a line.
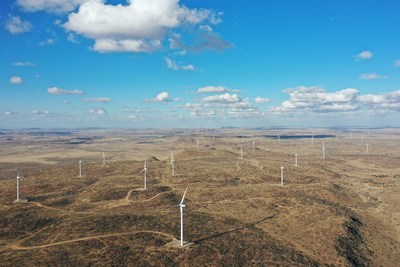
62	202
352	245
108	194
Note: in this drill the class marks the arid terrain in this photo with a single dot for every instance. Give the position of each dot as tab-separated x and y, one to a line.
341	210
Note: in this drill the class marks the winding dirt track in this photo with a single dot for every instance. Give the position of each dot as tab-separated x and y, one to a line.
17	245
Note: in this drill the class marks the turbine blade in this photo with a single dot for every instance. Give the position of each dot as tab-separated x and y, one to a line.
142	171
184	195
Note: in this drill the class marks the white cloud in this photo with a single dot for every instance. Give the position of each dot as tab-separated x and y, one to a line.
98	99
16	25
8	113
172	65
15	80
51	6
59	91
389	100
24	64
212	89
98	111
40	112
262	100
163	97
364	55
316	99
397	63
224	98
139	26
47	42
371	76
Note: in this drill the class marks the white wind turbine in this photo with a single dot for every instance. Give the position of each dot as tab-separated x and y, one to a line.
198	144
104	159
238	142
366	147
181	206
18	184
145	174
172	163
254	145
241	152
279	138
80	168
295	159
282	173
323	150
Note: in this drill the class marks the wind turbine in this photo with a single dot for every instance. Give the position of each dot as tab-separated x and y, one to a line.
254	145
18	185
104	159
279	138
282	174
295	156
80	168
181	206
145	174
172	164
198	144
238	142
323	150
241	152
366	147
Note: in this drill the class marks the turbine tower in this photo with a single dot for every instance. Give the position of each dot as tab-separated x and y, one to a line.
173	163
80	168
323	150
241	152
282	174
104	159
279	138
181	206
198	144
145	174
295	157
254	145
18	185
366	147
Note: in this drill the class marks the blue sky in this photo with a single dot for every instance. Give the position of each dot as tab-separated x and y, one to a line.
170	63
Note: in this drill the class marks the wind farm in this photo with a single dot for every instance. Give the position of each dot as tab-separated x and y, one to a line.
234	210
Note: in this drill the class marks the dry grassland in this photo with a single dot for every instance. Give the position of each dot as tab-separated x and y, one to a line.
343	210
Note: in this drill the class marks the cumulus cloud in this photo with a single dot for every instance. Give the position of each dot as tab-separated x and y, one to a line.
371	76
97	111
262	100
98	99
163	97
131	110
364	55
16	25
8	113
223	98
172	65
212	89
139	26
316	99
397	63
15	80
59	91
51	6
40	112
24	64
389	100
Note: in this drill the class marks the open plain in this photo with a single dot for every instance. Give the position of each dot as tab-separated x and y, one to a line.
343	210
